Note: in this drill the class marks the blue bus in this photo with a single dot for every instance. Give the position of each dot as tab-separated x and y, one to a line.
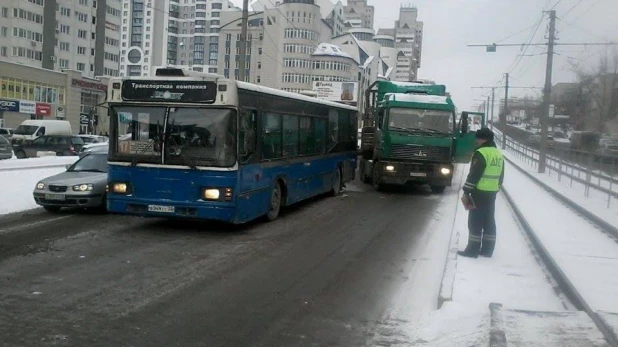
187	144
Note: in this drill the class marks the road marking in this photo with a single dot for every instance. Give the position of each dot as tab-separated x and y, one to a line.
22	226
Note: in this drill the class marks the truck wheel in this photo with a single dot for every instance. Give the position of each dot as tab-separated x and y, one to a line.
363	173
336	182
437	189
274	205
375	177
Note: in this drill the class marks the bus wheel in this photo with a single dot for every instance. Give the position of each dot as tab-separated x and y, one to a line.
375	177
275	203
437	189
336	182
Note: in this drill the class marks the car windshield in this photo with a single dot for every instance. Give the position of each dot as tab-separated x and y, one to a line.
90	163
25	130
415	120
194	136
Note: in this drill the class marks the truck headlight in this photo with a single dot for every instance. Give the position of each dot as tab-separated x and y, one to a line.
389	168
445	171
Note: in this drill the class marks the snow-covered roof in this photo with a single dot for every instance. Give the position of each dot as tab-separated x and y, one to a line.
408	84
277	92
420	98
331	50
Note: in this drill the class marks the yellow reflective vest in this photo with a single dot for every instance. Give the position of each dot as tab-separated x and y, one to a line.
494	164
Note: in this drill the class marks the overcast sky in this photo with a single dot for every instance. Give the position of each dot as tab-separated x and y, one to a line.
450	25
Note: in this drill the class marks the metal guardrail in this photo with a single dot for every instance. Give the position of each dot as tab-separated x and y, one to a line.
564	168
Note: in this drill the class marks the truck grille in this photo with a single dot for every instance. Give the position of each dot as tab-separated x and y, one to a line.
415	152
57	189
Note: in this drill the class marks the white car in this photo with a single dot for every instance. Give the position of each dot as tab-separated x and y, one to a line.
94	148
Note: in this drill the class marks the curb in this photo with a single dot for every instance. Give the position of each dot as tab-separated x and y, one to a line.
447	282
567	201
497	337
450	270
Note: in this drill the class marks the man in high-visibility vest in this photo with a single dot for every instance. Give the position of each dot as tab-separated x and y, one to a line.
482	185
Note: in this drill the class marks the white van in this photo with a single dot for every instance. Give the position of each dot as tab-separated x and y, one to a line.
33	128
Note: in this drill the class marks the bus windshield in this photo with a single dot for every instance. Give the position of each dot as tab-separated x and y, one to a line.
408	119
193	136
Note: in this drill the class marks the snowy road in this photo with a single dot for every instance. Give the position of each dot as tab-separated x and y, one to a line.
326	273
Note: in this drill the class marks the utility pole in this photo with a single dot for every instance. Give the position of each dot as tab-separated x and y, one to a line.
547	91
506	108
493	96
243	41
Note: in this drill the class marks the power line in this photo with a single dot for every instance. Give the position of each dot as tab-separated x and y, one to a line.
529	43
572	8
556	4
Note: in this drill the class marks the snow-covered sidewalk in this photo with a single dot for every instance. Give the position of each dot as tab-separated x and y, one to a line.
512	276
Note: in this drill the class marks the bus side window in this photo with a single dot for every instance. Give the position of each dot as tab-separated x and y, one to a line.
247	138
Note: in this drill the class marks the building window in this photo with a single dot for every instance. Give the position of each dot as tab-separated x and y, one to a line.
63	63
65	12
81	50
81	66
82	34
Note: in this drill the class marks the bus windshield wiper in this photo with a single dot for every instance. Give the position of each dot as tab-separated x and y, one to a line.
142	152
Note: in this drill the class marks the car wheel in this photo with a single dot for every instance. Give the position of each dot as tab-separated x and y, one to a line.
20	154
52	209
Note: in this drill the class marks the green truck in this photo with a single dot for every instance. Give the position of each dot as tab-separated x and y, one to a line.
411	134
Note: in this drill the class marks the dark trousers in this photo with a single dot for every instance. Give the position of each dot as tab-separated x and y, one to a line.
482	224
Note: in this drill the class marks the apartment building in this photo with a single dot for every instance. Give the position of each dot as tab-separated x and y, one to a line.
182	33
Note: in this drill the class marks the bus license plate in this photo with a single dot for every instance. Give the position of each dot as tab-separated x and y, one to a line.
418	174
159	208
56	197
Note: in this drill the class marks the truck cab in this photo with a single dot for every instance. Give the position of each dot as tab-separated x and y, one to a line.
408	136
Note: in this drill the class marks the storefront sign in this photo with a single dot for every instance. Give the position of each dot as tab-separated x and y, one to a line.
84	119
166	91
88	85
9	105
336	91
26	106
43	109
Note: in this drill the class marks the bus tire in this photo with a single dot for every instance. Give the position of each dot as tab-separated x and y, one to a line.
336	189
437	189
276	199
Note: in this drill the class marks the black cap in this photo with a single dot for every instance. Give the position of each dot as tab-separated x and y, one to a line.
485	134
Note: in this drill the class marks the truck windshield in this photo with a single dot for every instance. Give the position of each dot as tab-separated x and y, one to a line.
420	120
25	130
193	136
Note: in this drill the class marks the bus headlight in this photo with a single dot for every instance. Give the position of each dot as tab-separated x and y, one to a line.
211	194
120	188
445	171
389	168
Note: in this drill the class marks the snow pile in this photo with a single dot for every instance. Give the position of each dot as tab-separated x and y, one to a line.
329	49
453	325
29	163
17	187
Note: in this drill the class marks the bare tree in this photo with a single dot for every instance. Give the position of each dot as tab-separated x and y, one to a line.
598	98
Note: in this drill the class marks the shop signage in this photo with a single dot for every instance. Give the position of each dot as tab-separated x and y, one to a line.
9	105
43	109
26	106
88	85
